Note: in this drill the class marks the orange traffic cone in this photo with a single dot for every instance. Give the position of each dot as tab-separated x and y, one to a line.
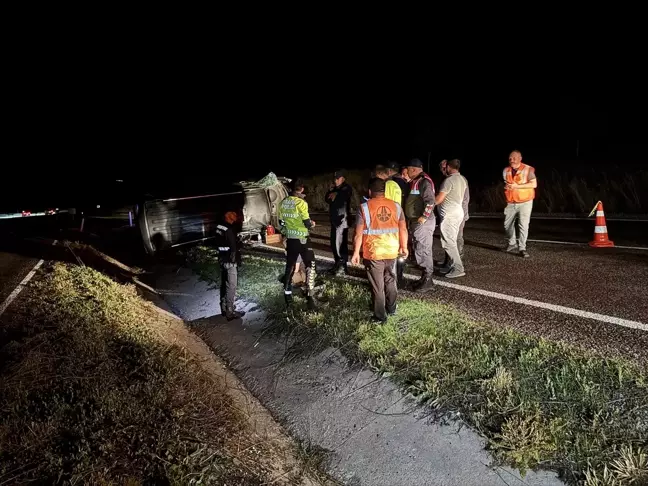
601	239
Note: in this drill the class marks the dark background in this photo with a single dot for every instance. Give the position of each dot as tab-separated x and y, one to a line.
181	124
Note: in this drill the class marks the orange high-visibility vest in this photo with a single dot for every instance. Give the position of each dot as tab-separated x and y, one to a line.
521	177
381	233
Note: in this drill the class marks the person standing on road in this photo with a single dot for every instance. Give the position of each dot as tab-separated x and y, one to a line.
392	189
229	258
338	197
295	223
419	212
520	184
449	202
381	233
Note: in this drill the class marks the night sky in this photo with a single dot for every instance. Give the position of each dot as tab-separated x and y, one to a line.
88	134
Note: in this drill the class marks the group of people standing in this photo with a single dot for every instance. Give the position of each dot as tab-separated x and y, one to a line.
396	220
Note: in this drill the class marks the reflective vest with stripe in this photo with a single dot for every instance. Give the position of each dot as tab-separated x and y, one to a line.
291	214
414	205
393	192
521	177
380	239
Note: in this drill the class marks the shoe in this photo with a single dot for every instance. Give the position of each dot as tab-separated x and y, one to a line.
424	283
310	303
510	248
230	316
455	274
378	320
524	254
444	270
289	299
391	312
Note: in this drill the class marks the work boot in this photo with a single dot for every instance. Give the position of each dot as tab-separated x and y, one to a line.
455	274
310	303
289	299
230	315
524	254
424	283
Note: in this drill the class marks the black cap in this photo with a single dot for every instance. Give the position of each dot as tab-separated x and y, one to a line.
338	174
393	165
415	163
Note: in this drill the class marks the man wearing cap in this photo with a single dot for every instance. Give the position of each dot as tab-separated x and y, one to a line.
419	212
392	189
229	258
338	198
295	224
396	176
381	233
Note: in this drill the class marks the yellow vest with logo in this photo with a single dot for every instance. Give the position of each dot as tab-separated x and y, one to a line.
292	213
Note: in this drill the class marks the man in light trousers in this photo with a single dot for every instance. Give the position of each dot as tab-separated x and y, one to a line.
520	184
449	202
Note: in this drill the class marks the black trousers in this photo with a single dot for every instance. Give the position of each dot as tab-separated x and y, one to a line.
229	281
294	249
382	277
340	244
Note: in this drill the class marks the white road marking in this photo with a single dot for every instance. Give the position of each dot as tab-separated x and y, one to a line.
585	244
21	285
510	298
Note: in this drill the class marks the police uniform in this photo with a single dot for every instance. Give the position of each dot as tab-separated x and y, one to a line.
295	222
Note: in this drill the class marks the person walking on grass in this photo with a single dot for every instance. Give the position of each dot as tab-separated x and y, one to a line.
381	234
295	224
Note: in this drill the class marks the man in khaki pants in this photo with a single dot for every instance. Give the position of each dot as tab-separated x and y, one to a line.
519	188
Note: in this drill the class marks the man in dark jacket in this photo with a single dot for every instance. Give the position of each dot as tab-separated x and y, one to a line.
338	198
419	212
229	257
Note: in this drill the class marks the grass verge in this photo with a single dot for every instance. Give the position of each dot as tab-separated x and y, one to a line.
539	403
92	392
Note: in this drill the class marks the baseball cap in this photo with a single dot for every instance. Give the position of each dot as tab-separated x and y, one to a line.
339	173
415	163
392	164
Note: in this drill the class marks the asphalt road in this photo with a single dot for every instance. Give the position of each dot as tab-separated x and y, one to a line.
613	282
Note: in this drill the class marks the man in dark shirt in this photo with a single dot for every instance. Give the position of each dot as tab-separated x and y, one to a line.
229	258
338	198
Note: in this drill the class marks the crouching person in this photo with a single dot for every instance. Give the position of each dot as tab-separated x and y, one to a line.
229	258
381	233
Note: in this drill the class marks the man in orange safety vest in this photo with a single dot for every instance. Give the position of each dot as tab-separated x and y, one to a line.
381	233
520	185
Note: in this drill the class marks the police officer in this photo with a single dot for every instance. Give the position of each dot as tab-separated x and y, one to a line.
393	191
295	224
381	233
396	175
338	197
419	212
229	258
